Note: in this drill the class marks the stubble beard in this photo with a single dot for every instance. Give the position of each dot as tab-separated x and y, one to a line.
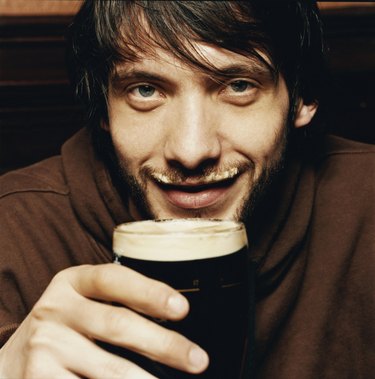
136	189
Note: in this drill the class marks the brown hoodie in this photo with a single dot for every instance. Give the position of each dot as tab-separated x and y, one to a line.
313	238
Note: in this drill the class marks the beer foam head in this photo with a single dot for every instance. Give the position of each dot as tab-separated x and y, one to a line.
179	239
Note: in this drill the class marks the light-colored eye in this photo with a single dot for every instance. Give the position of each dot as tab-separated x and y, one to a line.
144	96
145	90
240	86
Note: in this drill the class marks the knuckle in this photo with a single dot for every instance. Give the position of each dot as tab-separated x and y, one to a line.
60	284
62	276
39	340
158	294
100	279
174	350
68	275
170	342
133	371
117	324
42	333
42	311
47	308
115	368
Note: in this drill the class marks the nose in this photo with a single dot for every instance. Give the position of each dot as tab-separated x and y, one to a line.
192	138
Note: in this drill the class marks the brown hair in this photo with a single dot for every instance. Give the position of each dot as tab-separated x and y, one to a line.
106	32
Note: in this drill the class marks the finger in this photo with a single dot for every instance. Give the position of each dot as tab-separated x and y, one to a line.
120	284
42	364
52	372
87	359
123	327
59	374
65	353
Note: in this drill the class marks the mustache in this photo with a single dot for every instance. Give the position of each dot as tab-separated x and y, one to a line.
205	175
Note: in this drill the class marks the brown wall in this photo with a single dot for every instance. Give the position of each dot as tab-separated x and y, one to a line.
70	7
38	7
38	112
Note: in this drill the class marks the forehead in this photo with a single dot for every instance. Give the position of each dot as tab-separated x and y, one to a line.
172	33
207	60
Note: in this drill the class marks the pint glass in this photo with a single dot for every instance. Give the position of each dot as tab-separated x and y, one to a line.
207	261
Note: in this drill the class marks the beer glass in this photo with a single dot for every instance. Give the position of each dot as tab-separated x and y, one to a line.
207	261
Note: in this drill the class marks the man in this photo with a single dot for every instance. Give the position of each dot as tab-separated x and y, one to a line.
195	109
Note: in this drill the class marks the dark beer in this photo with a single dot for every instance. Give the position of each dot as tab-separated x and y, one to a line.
206	260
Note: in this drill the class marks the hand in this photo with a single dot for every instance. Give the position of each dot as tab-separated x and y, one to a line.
56	339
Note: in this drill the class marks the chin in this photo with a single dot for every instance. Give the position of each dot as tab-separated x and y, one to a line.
209	213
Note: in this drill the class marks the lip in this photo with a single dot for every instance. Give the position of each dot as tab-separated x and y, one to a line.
196	196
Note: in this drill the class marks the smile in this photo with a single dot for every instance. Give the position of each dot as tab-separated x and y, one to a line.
190	194
214	177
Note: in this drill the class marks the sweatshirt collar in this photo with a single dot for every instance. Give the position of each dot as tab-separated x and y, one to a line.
95	201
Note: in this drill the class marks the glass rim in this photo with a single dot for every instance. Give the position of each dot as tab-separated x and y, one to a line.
232	226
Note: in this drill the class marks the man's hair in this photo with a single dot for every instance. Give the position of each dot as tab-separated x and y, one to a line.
106	32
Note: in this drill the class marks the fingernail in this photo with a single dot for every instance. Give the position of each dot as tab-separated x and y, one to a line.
198	358
177	304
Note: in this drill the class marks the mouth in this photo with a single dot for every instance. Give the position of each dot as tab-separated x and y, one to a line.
197	194
211	178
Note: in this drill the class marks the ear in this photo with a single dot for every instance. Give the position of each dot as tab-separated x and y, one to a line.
305	113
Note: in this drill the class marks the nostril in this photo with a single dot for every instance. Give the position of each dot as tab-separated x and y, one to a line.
199	170
193	152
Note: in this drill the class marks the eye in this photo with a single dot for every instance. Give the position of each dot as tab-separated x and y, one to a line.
145	90
240	92
144	96
240	86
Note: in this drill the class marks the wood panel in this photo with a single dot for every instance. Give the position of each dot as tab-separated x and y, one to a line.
39	7
37	108
38	111
350	35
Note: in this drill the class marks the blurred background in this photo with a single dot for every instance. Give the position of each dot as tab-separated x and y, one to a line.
37	108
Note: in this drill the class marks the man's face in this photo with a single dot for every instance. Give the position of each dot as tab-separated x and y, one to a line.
190	145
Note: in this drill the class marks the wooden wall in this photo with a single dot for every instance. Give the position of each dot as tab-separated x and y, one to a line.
350	35
37	109
39	7
38	112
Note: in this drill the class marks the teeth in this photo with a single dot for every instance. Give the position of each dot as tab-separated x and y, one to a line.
162	178
211	178
215	177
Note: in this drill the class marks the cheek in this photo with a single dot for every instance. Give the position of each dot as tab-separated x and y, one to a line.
256	132
135	137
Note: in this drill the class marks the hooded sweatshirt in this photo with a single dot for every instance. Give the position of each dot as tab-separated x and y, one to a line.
312	236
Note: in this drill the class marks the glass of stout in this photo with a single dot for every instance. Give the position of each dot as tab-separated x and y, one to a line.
206	260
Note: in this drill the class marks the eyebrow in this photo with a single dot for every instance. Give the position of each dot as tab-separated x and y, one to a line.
120	78
242	69
123	75
133	74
